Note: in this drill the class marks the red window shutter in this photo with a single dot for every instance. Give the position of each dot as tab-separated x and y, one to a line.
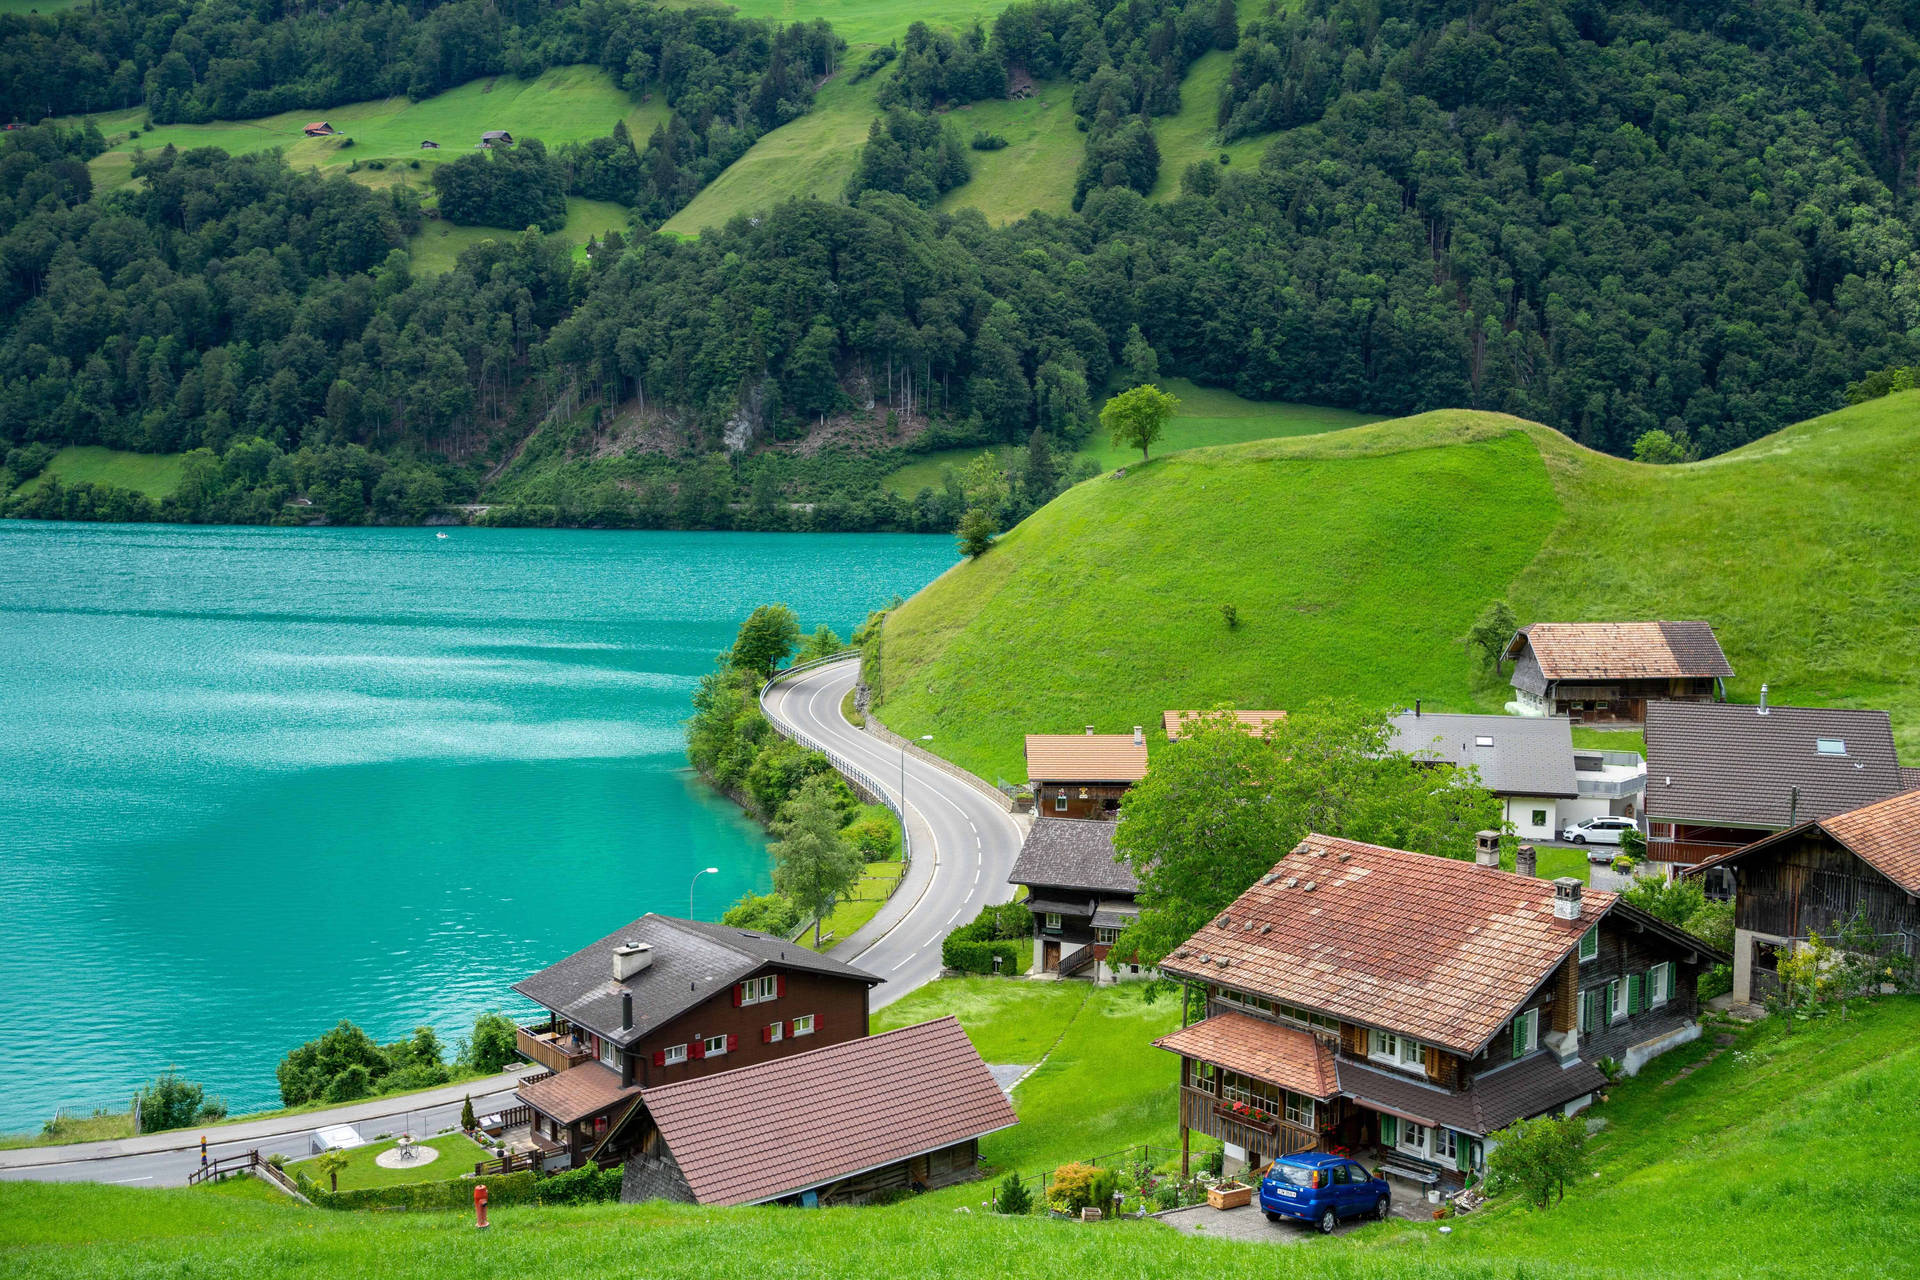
696	1048
786	1030
733	1042
659	1057
766	1033
739	994
780	985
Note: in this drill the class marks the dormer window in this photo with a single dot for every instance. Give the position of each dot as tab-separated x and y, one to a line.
1830	746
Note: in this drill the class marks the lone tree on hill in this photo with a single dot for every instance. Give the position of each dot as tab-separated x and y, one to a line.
1492	630
813	865
1541	1155
1138	417
766	638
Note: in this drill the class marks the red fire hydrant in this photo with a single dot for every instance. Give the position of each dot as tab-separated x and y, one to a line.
480	1206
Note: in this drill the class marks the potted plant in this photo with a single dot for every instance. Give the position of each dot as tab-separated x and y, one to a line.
1230	1195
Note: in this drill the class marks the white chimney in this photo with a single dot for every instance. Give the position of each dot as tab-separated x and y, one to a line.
630	958
1486	849
1089	731
1566	898
1763	699
1139	736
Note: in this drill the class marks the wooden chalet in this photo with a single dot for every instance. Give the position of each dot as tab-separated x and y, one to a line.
1084	775
664	1001
1606	672
1721	775
429	144
319	129
1254	722
1081	896
901	1111
1816	877
496	138
1364	997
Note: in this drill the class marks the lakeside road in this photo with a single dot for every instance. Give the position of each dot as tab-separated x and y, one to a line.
964	843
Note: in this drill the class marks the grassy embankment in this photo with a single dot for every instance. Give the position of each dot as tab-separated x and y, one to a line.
154	474
1770	1158
1208	416
566	104
1358	559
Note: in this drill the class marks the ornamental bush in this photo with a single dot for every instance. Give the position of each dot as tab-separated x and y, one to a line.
972	947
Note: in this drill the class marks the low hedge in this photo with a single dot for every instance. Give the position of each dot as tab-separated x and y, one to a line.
449	1193
972	947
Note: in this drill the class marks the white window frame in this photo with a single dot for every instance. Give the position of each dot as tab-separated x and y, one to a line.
1052	920
1446	1145
609	1055
1299	1109
1530	1036
1396	1050
776	1031
715	1046
1660	984
1105	934
1590	945
1539	817
1617	993
1060	802
1405	1129
673	1055
803	1025
760	990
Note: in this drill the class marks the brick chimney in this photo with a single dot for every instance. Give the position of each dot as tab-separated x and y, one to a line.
1566	898
630	958
1486	849
1525	861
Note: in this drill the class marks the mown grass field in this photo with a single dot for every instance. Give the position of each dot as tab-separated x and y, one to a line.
457	1156
1778	1157
1192	134
438	245
867	22
1035	169
1358	559
154	474
1207	416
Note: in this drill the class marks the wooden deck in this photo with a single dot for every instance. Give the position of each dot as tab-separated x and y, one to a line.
1203	1112
556	1053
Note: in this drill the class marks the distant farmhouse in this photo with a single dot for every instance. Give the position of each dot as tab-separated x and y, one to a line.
1081	896
429	145
1605	672
496	138
319	129
1815	878
1721	775
1531	764
1254	722
1408	1005
1084	775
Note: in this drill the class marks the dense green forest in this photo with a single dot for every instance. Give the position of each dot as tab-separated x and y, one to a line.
1696	218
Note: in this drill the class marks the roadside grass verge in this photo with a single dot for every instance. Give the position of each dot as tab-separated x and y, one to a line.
457	1156
848	915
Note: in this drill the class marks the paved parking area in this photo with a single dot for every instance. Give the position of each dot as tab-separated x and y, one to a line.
1251	1224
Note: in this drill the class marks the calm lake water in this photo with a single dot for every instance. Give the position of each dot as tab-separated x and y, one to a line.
259	780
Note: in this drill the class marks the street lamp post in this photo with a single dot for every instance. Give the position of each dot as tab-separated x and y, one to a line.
704	871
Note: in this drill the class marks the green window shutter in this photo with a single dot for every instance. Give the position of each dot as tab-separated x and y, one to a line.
1637	993
1389	1130
1519	1035
1463	1152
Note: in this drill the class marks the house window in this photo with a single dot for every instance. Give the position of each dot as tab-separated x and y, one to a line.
1299	1109
803	1026
1483	740
1616	1000
1397	1050
1106	935
759	990
1413	1137
1246	1001
1590	944
1257	1094
1660	984
1539	817
1053	921
1060	803
1446	1146
609	1056
674	1053
1592	1005
1830	746
599	1126
776	1032
1526	1033
716	1045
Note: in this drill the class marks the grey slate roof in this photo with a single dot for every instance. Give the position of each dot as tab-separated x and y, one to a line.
1497	1098
1529	755
692	961
1713	763
1077	853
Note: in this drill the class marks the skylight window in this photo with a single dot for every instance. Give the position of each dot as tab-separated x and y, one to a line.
1483	741
1830	746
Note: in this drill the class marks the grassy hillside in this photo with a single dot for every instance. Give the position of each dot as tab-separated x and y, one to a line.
154	474
1771	1158
1208	416
1191	134
1356	559
1035	169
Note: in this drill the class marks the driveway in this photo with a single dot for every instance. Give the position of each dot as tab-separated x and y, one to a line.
1250	1223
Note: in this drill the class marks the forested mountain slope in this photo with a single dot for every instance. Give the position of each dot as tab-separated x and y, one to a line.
1357	562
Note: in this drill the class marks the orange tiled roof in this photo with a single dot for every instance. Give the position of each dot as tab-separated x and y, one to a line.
1622	650
1085	757
1438	949
1255	722
574	1095
1295	1060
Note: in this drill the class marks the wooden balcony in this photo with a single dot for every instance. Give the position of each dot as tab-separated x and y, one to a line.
1690	851
556	1053
1207	1113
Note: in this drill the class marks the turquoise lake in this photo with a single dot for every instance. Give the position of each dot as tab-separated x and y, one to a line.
260	780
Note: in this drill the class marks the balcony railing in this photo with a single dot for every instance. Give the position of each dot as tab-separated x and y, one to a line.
556	1053
1610	787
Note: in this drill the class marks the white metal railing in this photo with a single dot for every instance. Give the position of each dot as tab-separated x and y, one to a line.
858	775
1610	786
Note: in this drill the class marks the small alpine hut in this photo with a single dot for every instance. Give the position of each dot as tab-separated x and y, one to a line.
319	129
429	145
496	138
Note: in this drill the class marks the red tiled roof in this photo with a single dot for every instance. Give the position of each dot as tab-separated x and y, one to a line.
1254	722
1282	1056
1438	949
1622	650
1885	835
761	1132
576	1094
1085	757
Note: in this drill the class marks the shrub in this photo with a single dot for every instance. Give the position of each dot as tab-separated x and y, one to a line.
1712	924
1013	1196
353	1083
1716	981
589	1184
972	947
310	1072
448	1194
1072	1188
1216	1161
873	837
984	141
494	1044
767	912
1231	615
467	1120
173	1103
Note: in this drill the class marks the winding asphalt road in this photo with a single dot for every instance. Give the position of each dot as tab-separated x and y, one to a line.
964	842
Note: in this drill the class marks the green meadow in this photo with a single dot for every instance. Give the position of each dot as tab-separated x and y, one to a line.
1035	169
457	1154
1357	559
1193	133
154	474
868	22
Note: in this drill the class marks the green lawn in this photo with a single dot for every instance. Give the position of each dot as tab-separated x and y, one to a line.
154	474
1193	133
1771	1160
566	104
457	1156
1008	1021
438	245
1357	559
811	157
866	22
1207	416
1035	169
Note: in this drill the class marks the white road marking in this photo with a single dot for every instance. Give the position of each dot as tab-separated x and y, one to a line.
118	1181
898	965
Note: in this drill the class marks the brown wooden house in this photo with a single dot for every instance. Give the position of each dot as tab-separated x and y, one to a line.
1816	877
1605	672
1721	775
1359	997
664	1001
1081	897
319	129
902	1111
1084	775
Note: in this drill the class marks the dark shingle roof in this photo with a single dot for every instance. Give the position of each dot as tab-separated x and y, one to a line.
1072	853
1497	1098
1885	835
692	961
761	1132
1524	755
1714	763
1621	650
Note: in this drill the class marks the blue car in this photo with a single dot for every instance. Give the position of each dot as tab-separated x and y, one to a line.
1322	1189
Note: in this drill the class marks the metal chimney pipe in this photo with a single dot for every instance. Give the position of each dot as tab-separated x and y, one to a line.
1763	699
626	1010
